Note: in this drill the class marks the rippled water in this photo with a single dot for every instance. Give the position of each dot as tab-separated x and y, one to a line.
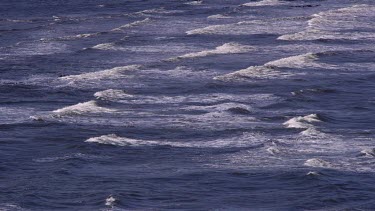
180	104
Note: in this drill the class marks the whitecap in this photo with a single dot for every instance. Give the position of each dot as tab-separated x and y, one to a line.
113	139
368	152
90	107
254	72
104	46
264	3
266	26
272	69
218	16
133	24
227	48
195	2
247	139
317	162
110	201
345	23
307	60
273	150
112	94
113	73
313	173
313	133
302	121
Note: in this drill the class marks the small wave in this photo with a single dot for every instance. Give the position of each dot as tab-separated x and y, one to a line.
67	157
264	3
90	107
113	73
317	162
133	24
302	121
227	48
112	94
11	207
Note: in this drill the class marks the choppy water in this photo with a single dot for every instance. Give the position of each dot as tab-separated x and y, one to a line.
178	104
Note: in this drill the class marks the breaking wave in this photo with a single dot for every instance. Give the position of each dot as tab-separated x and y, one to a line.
317	162
302	121
112	94
90	107
113	73
247	139
133	24
267	26
338	24
227	48
271	70
264	3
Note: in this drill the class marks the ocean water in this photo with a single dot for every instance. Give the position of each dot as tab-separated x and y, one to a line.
187	105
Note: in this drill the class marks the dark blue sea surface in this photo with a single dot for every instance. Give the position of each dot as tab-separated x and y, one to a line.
187	105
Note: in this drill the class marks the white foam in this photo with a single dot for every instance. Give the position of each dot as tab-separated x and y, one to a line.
313	133
227	48
110	201
313	173
345	23
112	73
307	60
113	139
133	24
218	16
317	162
254	72
264	3
368	152
195	2
112	94
271	70
222	107
247	139
302	121
11	207
78	36
273	150
108	46
267	26
83	108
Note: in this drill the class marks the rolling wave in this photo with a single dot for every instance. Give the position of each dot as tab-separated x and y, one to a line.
90	107
113	73
227	48
351	23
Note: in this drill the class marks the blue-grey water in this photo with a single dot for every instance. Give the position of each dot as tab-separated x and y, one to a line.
187	105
